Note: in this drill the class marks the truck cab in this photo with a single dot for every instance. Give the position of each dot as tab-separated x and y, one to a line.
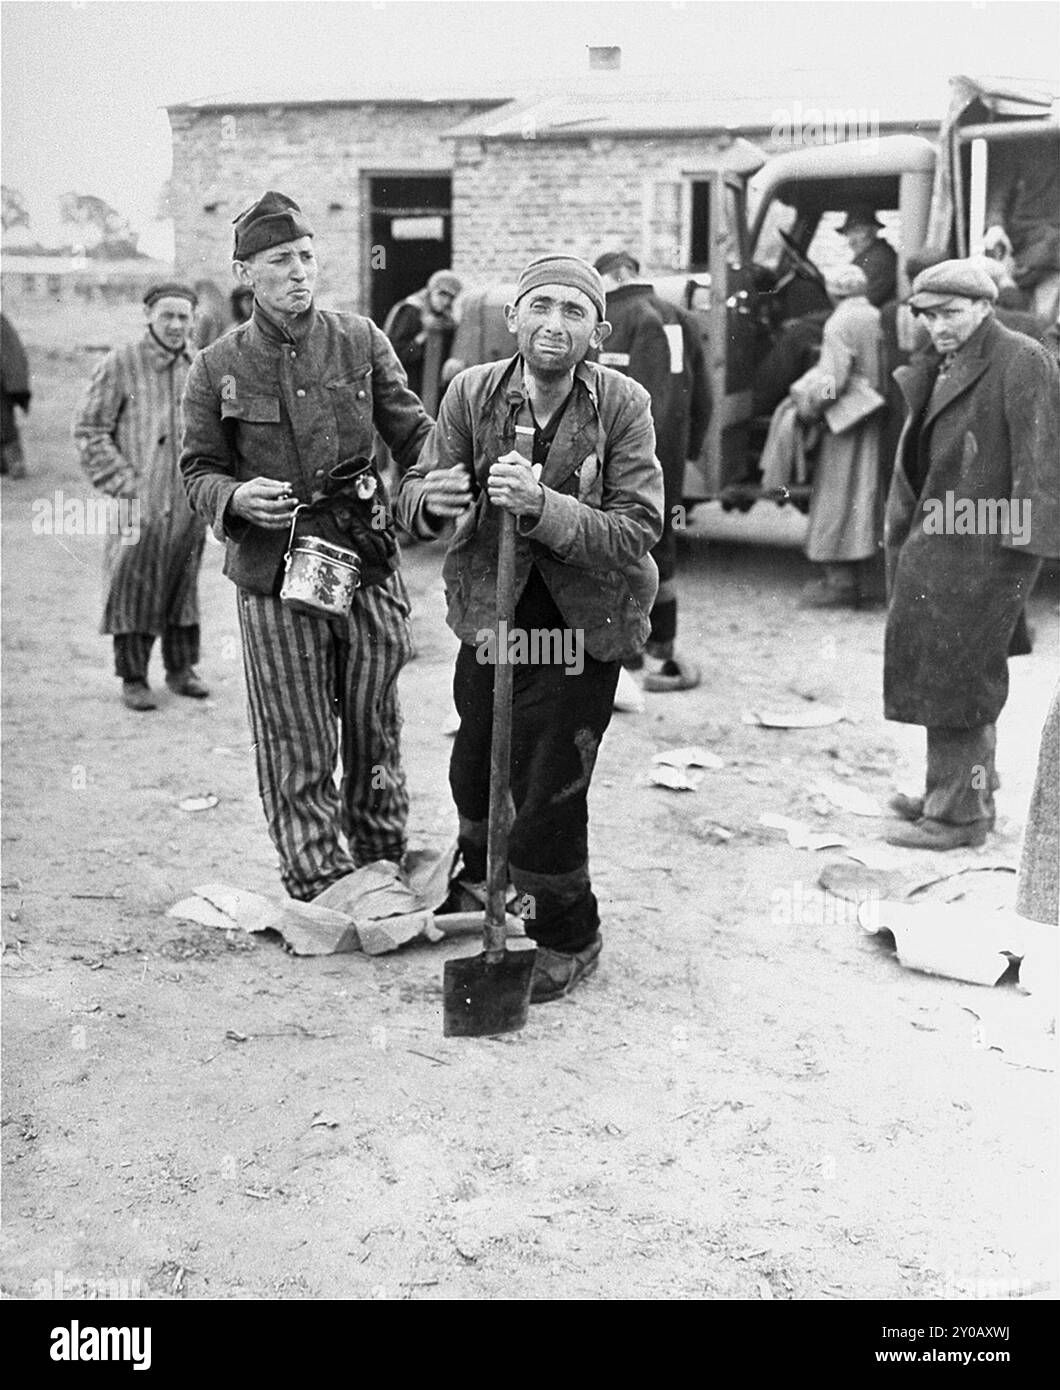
763	231
772	271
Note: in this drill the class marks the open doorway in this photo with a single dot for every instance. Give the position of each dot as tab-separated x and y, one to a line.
410	223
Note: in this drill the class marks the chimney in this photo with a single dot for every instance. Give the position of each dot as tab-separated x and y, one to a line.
605	59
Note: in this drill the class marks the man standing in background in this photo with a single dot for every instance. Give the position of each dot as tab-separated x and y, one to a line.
14	391
972	510
876	257
658	345
421	329
128	437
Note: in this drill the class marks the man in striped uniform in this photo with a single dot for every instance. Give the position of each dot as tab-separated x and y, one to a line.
270	409
128	437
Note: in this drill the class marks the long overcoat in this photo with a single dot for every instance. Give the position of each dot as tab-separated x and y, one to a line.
957	579
843	510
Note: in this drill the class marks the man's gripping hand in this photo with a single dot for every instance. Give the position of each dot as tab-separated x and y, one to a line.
513	486
264	502
447	491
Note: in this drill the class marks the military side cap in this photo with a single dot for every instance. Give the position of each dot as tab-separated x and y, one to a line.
170	289
948	280
273	219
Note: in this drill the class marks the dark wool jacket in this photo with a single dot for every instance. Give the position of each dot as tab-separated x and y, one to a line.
603	505
992	434
638	346
263	402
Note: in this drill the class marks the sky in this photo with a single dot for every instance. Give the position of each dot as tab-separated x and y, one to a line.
85	83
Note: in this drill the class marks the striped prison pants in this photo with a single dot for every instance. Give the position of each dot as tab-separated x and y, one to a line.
321	689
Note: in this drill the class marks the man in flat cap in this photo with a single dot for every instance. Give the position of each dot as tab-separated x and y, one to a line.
421	329
128	438
876	257
271	409
586	491
659	345
972	510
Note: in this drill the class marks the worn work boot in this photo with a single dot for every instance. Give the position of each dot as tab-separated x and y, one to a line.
137	695
675	673
939	835
186	682
557	972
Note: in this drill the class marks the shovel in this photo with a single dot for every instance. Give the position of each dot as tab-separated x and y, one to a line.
490	993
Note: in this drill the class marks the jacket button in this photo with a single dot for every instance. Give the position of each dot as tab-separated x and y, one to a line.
360	395
299	392
319	473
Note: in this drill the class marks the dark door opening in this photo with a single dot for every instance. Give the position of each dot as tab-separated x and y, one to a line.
410	218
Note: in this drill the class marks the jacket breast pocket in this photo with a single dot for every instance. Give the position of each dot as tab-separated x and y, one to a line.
254	410
252	427
351	406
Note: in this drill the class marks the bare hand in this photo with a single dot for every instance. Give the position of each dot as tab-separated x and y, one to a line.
264	502
513	486
447	491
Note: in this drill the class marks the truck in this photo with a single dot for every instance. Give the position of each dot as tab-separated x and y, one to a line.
768	222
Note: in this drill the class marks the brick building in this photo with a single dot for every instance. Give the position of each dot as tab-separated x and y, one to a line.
372	173
398	187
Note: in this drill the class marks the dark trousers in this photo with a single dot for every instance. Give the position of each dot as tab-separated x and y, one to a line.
961	776
664	610
558	721
132	651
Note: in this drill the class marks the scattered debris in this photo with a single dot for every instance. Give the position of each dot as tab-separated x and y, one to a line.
233	1035
711	831
198	803
800	836
846	798
673	778
688	757
629	698
960	941
322	1121
808	716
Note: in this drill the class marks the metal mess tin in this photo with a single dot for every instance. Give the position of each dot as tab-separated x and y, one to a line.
319	578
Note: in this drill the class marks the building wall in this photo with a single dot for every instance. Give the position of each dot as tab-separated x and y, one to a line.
223	161
513	200
516	200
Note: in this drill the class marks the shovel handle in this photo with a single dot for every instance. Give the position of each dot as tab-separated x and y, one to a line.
500	745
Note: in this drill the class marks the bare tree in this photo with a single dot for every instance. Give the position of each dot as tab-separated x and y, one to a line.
112	233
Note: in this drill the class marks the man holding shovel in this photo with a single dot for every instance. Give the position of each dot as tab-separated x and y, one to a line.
586	492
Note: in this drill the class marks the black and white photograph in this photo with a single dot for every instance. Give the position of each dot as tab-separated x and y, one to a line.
530	592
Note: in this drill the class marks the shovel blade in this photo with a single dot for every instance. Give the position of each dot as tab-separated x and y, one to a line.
484	995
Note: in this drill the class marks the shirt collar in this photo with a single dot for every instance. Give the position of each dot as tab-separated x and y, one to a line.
511	380
277	332
160	356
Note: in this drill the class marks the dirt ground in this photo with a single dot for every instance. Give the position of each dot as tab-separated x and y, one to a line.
751	1099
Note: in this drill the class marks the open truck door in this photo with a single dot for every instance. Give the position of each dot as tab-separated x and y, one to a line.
999	156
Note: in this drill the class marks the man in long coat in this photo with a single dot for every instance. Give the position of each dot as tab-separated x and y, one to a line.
128	438
972	510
